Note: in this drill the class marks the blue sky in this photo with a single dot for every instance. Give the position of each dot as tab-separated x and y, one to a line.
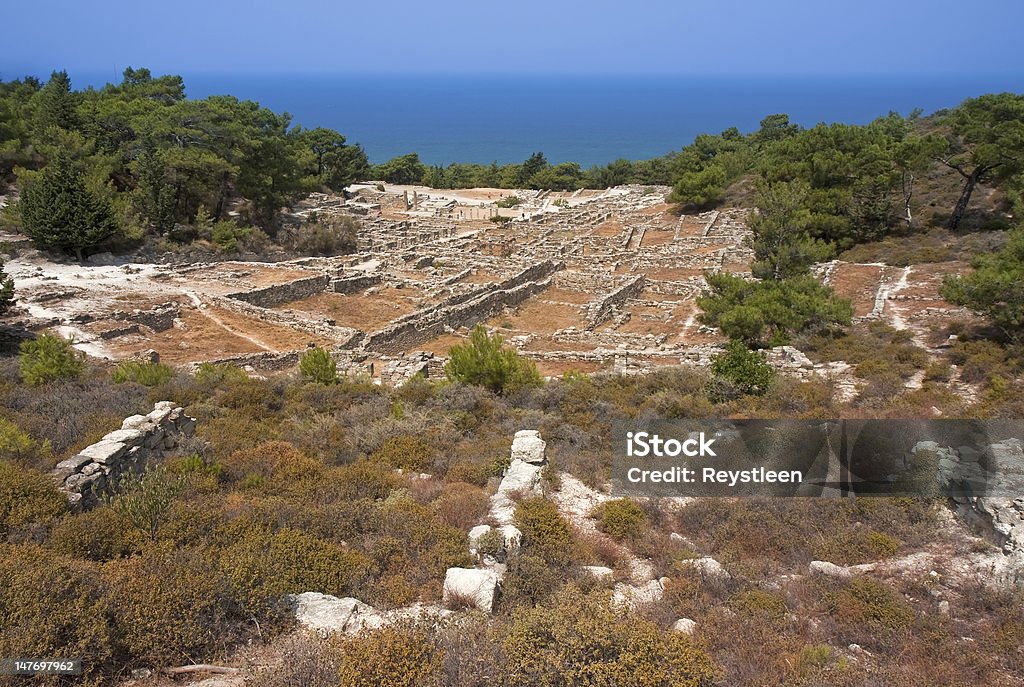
600	37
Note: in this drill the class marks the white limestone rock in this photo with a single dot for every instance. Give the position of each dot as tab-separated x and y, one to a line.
326	614
828	569
599	572
708	568
528	447
684	625
479	587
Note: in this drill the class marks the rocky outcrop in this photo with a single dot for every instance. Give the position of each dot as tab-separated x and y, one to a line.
86	476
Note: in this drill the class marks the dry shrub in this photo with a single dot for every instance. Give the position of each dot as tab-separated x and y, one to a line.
581	639
461	505
53	605
305	662
27	498
407	452
169	606
277	464
393	656
97	535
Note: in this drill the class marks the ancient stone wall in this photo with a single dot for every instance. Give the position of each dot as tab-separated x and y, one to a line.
348	285
86	476
600	310
269	296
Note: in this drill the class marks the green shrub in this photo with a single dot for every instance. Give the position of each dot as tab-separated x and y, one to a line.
97	535
146	374
49	358
18	446
317	365
747	370
508	202
545	532
620	518
484	361
226	234
218	374
262	567
27	497
866	602
759	603
143	500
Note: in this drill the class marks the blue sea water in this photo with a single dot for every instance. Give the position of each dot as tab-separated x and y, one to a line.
590	120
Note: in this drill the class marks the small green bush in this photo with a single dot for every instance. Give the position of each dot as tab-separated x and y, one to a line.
394	656
620	518
49	358
866	602
747	370
219	374
545	532
759	603
484	361
146	374
317	365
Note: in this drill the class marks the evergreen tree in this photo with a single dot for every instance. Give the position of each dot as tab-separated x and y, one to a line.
59	211
996	286
6	290
56	104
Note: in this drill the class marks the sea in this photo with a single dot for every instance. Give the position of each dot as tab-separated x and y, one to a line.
586	119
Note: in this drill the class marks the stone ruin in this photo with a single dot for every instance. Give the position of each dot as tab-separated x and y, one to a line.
85	477
480	586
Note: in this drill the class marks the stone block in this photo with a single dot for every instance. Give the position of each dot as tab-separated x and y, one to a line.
471	585
105	451
128	437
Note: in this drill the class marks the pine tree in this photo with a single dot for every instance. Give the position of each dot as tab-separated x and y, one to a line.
59	211
6	291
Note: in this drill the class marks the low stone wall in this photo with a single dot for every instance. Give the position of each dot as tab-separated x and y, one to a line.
348	285
159	319
269	296
435	322
600	310
86	476
265	361
344	336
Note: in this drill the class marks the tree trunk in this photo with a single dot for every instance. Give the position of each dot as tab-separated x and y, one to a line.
908	194
972	181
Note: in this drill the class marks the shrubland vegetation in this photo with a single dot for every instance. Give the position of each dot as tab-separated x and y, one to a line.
293	485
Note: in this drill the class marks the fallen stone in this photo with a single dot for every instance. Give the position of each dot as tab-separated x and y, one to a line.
599	572
830	570
476	587
708	568
631	596
684	625
326	614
